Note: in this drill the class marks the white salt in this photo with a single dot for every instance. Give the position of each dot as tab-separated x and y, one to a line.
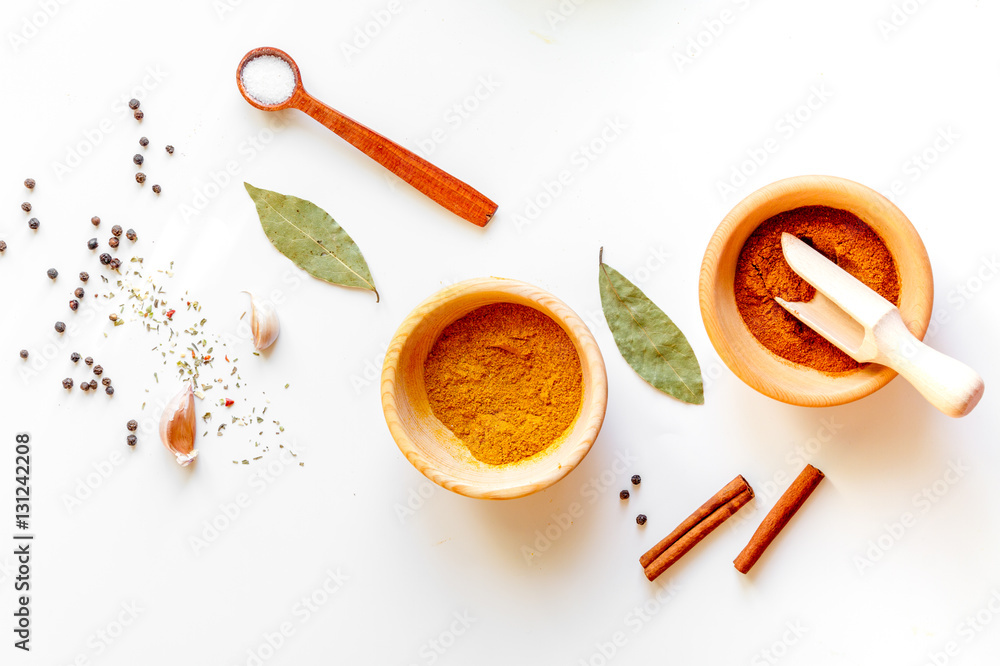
268	79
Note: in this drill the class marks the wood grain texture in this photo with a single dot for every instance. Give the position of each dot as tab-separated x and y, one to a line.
761	369
431	447
438	185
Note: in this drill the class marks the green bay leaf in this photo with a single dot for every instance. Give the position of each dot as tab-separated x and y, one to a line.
306	234
647	338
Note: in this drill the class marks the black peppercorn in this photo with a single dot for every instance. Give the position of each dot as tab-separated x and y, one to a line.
92	244
33	223
24	353
140	178
116	263
138	115
93	385
88	361
640	519
74	357
143	141
3	246
130	234
170	150
106	381
60	327
636	479
84	276
105	258
157	189
26	207
623	495
52	273
113	242
84	386
133	103
74	304
132	425
131	440
98	370
110	390
96	221
29	183
78	292
67	383
137	158
117	230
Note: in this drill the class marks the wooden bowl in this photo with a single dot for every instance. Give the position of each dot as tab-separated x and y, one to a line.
749	359
431	447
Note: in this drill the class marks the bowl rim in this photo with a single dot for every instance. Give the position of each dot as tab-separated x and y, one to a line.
567	319
874	376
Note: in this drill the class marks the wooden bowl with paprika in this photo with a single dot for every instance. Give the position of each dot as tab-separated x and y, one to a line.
494	388
743	269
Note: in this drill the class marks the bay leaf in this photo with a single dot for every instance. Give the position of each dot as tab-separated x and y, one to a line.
306	234
647	338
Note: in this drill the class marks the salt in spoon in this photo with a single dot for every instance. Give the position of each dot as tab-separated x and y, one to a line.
440	186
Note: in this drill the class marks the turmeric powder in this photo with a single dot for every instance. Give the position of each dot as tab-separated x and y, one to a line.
506	380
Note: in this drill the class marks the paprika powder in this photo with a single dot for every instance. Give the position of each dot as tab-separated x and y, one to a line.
762	274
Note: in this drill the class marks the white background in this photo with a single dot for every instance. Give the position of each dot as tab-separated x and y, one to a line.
857	587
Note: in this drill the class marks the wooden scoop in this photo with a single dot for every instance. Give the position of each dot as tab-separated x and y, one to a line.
439	186
869	329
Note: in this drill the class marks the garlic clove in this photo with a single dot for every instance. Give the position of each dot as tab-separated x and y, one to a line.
263	323
177	426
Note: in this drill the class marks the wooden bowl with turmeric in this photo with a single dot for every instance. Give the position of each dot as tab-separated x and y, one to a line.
744	269
494	388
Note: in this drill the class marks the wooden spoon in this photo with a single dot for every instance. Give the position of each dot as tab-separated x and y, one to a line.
869	328
442	187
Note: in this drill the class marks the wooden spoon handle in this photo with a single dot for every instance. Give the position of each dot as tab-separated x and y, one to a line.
448	191
948	384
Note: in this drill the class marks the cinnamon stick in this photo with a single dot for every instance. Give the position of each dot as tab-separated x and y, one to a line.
697	526
779	515
724	496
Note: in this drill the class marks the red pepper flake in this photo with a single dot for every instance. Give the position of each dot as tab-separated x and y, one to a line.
227	358
229	403
206	358
170	314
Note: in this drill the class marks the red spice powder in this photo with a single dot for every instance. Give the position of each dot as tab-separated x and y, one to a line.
762	273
